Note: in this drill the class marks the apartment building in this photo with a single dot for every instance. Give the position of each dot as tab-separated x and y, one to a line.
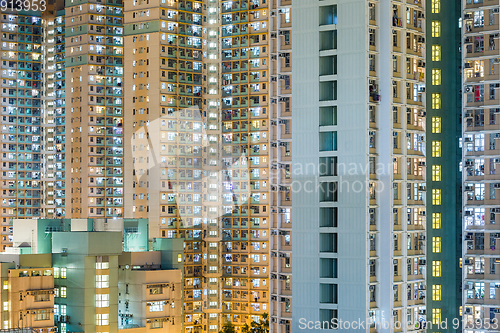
359	140
94	109
32	116
94	283
280	45
149	299
197	79
209	90
480	24
28	294
444	176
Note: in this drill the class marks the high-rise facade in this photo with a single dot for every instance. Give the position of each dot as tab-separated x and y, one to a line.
33	110
21	118
360	164
94	109
175	111
443	173
480	55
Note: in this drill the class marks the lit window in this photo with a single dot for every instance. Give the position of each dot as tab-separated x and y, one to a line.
56	273
436	268
179	257
436	220
436	29
436	6
102	319
63	292
5	306
101	265
102	262
436	173
436	125
102	281
155	306
436	197
102	300
436	244
436	292
436	52
436	77
63	273
6	285
64	329
436	316
436	148
436	101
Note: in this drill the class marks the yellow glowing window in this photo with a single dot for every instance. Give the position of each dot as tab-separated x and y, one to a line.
460	311
436	101
63	273
436	173
6	285
436	29
436	197
436	268
436	77
436	52
436	244
179	257
436	148
436	316
63	292
436	125
436	220
5	306
460	262
436	6
56	273
436	292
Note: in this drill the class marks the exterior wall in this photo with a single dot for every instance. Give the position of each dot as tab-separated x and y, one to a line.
356	61
443	173
21	120
480	178
149	298
94	67
280	155
84	256
329	235
31	298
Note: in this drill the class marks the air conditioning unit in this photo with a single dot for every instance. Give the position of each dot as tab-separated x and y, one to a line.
395	261
372	288
497	185
467	262
468	213
273	13
468	89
